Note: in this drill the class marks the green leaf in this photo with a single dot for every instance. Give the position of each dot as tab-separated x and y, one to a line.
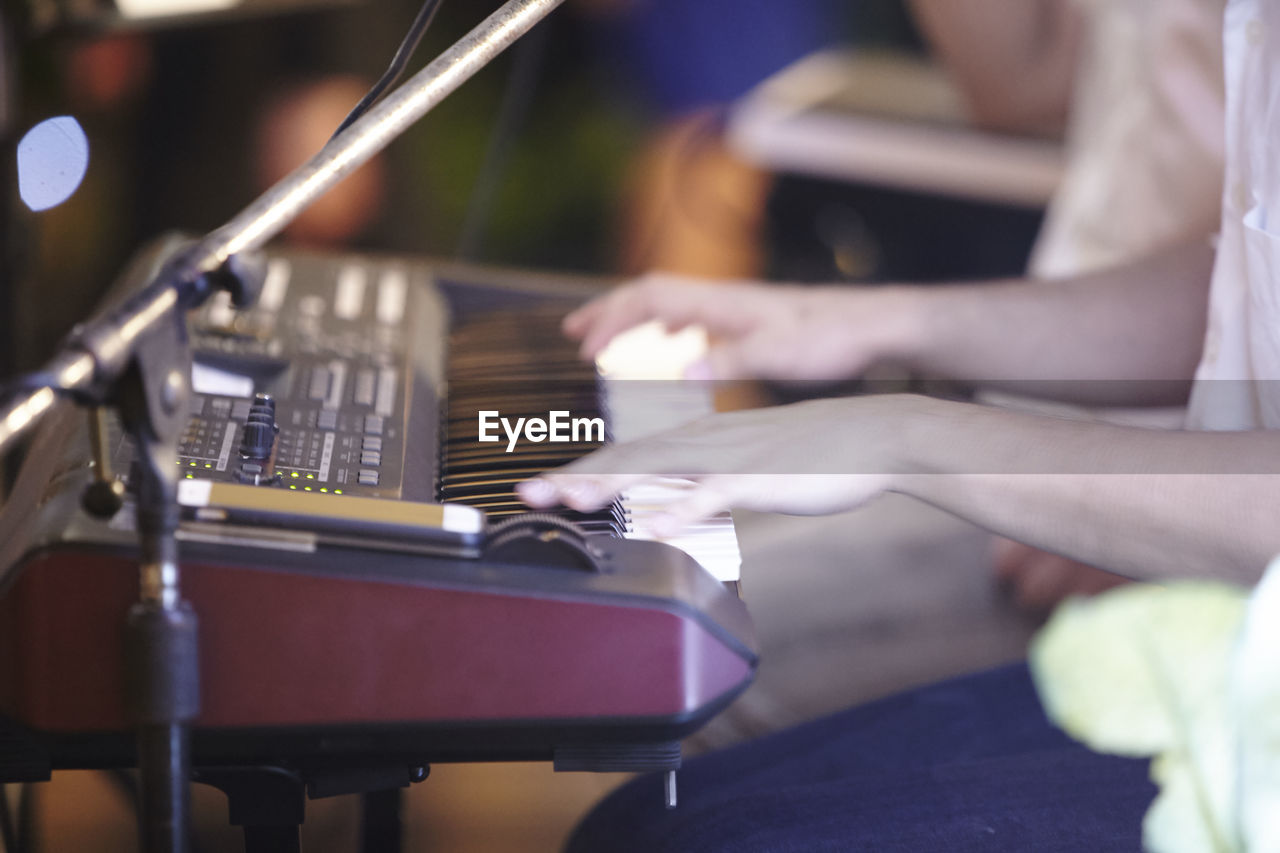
1176	822
1130	672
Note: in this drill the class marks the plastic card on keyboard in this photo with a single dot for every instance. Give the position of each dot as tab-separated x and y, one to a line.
451	528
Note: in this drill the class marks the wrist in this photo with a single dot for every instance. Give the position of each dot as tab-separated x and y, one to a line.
897	431
899	329
918	436
912	331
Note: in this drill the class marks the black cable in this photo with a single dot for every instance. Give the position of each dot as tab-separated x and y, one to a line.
521	85
398	63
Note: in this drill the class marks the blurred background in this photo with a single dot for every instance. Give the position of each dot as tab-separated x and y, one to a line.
620	136
190	119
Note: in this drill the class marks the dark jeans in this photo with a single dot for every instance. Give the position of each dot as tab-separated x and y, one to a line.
968	764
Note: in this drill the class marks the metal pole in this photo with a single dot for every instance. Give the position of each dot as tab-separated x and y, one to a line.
277	207
105	346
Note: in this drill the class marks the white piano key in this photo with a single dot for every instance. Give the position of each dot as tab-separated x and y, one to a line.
645	393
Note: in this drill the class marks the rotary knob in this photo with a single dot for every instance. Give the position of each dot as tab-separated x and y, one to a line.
258	440
260	428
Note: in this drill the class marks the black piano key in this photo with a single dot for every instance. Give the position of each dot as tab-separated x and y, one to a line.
520	365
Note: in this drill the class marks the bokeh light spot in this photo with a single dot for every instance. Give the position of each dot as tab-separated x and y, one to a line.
52	160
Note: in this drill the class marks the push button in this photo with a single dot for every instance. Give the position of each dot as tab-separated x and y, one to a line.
320	379
365	386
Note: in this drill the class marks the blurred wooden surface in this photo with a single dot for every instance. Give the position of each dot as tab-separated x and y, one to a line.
460	808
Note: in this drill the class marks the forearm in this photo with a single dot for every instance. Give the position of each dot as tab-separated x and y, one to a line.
1144	323
1014	62
1147	504
1130	335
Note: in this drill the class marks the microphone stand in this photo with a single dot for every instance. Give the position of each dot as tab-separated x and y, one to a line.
137	358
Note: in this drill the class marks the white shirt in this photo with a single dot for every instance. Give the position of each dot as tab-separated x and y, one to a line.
1144	141
1145	149
1242	342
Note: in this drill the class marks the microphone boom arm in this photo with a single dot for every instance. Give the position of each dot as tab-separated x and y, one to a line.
137	358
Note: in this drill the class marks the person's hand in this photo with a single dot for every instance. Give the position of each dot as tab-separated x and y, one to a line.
1039	580
759	331
809	458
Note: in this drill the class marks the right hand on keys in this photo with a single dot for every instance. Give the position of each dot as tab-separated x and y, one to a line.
811	458
759	331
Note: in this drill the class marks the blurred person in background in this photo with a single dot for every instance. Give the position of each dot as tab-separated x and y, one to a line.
689	204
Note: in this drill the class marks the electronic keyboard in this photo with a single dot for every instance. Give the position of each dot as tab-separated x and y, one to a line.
367	586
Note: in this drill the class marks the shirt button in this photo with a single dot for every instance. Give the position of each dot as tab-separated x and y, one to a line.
1253	32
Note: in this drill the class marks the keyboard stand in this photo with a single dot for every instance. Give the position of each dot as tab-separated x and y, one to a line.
269	803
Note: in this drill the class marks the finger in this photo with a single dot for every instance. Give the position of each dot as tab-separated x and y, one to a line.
592	481
709	497
628	306
754	356
771	350
538	493
581	492
674	301
576	323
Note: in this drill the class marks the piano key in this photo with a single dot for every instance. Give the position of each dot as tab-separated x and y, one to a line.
520	366
645	393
